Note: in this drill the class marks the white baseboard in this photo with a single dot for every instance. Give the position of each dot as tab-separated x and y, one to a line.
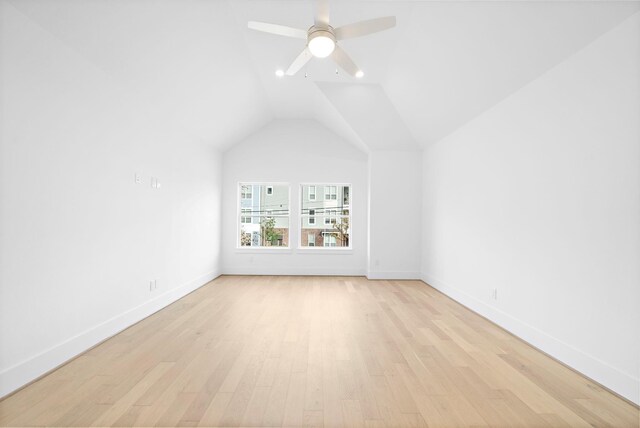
291	270
393	275
22	373
621	383
319	271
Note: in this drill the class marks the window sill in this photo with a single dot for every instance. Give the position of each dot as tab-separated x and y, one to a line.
263	250
325	250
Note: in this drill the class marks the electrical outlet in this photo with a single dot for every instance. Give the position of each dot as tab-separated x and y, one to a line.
155	183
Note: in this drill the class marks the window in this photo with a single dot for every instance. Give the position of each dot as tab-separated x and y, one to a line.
330	193
329	239
246	192
246	216
263	222
333	227
330	217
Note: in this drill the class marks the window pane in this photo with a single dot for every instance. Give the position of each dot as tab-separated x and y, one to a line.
265	232
325	220
264	215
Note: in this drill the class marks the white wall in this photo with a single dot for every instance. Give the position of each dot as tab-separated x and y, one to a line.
294	152
79	239
539	198
395	205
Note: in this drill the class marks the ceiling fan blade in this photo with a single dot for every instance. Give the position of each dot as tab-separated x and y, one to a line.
344	61
299	62
363	28
322	13
280	30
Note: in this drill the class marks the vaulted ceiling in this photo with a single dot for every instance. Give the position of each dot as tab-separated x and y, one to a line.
198	68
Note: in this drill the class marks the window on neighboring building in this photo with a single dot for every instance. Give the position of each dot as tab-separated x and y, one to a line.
333	229
246	216
311	239
312	193
330	193
330	216
262	222
246	192
329	240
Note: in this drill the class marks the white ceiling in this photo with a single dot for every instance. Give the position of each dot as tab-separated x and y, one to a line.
195	64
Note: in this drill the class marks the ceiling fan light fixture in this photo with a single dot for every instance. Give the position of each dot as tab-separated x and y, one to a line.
359	74
321	43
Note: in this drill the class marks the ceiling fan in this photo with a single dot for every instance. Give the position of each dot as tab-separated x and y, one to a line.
322	38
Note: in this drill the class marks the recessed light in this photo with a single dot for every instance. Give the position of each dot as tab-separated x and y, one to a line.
359	74
279	73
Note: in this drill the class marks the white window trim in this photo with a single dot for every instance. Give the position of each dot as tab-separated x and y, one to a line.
251	249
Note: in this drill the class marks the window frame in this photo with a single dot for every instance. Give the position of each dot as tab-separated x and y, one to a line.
239	199
321	248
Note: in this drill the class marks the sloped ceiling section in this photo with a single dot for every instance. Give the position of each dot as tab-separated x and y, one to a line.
458	59
371	115
186	61
196	66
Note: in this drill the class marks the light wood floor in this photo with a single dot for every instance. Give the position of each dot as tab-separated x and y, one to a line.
314	351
